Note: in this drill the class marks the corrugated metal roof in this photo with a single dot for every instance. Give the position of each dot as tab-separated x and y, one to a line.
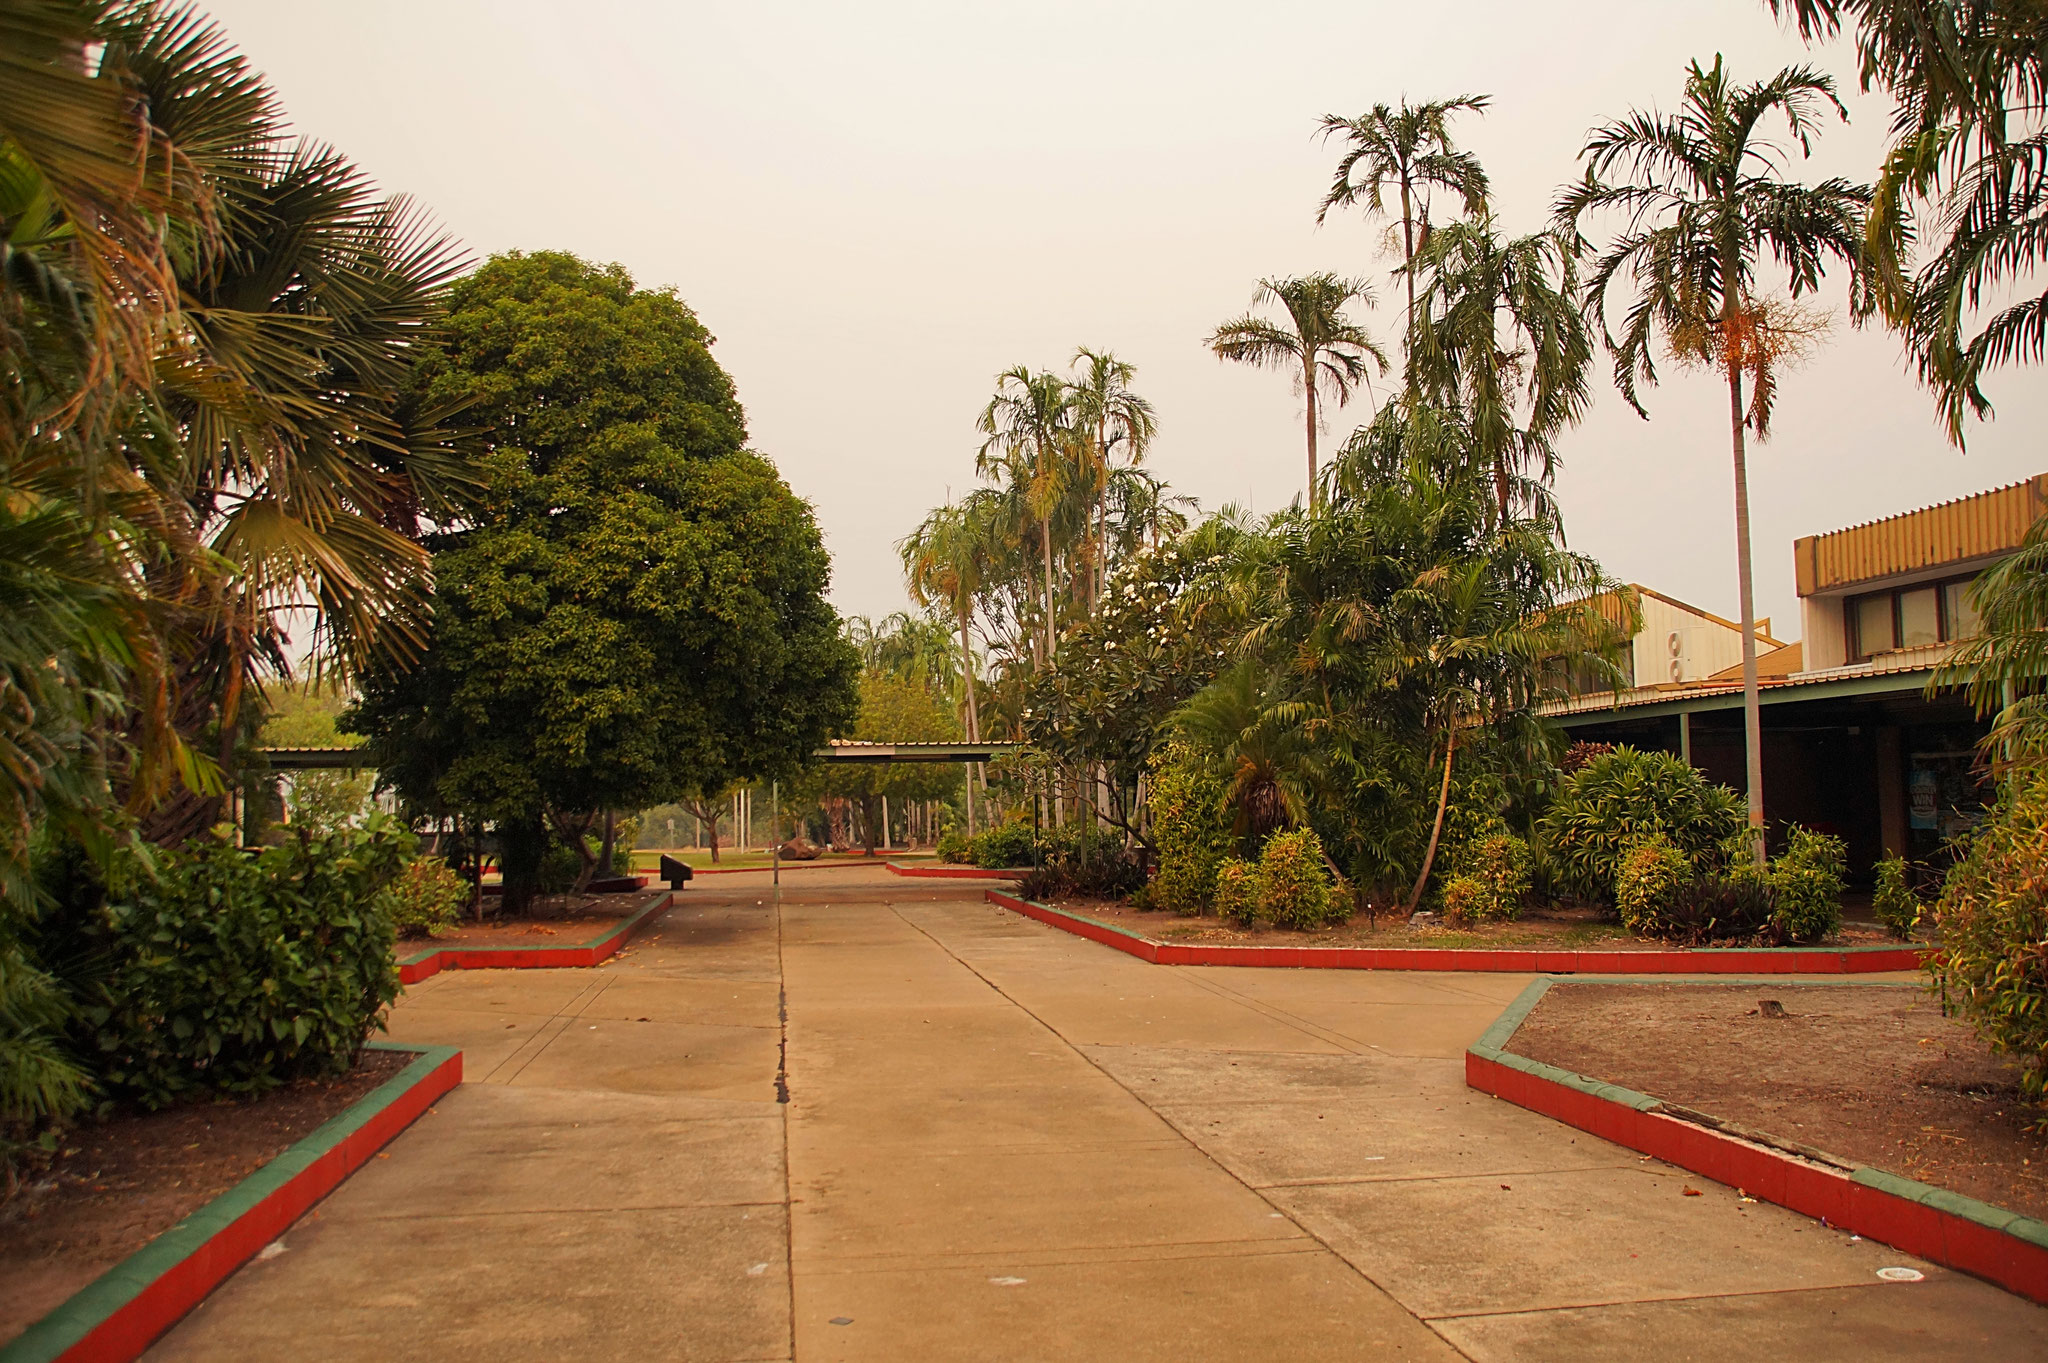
1907	661
1958	532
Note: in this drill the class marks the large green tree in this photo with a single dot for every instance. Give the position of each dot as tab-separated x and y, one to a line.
638	613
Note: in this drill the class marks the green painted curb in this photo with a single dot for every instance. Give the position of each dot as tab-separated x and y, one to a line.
83	1312
1504	1027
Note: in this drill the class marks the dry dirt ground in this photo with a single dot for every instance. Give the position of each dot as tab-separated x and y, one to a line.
118	1184
1873	1074
1000	1142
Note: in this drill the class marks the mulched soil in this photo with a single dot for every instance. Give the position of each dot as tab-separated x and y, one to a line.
119	1184
1558	926
560	920
1871	1074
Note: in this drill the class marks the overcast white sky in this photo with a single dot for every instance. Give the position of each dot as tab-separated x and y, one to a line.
877	207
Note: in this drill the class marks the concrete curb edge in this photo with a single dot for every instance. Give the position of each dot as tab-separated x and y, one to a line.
1946	1228
129	1307
954	872
1510	960
426	964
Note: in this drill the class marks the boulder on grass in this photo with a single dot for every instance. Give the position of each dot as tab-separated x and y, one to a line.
800	848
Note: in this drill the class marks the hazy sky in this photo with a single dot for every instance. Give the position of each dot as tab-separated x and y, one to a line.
877	207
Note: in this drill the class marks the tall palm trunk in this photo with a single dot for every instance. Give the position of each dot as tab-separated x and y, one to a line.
1436	830
1045	540
1752	718
1408	255
1308	381
973	713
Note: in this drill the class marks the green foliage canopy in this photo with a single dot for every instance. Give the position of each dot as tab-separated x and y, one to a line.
639	611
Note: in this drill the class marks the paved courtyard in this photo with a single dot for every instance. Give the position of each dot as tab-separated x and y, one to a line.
1004	1142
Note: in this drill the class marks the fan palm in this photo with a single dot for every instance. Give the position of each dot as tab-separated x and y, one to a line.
1324	349
1499	331
1970	150
1703	200
1408	150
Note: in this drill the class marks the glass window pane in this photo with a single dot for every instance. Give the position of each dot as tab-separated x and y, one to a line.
1874	625
1962	616
1919	618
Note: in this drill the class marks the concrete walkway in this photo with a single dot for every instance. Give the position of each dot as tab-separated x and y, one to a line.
1003	1142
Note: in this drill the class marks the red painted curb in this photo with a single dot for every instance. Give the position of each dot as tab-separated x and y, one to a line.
1814	1190
144	1318
1517	960
532	958
952	872
1144	948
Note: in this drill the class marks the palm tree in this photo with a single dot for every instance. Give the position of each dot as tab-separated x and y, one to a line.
1969	147
942	563
1326	351
1409	150
1703	202
1115	419
1032	440
1498	331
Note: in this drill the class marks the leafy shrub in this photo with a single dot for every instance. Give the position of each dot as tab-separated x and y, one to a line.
1894	902
1993	920
1237	890
1496	872
1798	899
1294	882
1185	802
625	836
1580	754
1736	906
1807	880
236	969
1463	898
1003	847
426	897
40	1084
1076	861
1622	797
1647	884
955	848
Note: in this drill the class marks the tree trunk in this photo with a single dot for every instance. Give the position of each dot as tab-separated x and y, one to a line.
967	683
1752	718
1308	375
1408	257
1436	831
1045	538
522	845
609	849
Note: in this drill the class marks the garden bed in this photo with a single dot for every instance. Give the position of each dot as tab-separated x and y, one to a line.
1871	1074
119	1184
571	920
1554	927
567	940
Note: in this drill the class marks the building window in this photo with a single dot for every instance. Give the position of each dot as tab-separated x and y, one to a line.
1910	617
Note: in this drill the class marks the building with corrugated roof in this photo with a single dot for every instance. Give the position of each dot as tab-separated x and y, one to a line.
1854	742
